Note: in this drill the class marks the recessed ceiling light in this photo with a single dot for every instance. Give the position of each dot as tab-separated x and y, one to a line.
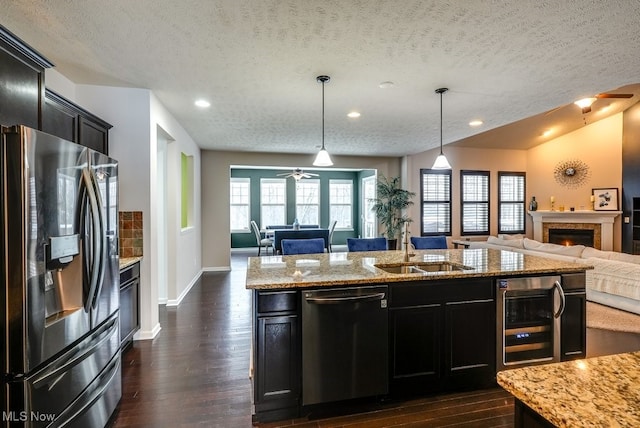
547	133
353	114
386	85
476	123
202	103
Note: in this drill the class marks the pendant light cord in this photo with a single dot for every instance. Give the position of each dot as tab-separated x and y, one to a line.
323	115
441	122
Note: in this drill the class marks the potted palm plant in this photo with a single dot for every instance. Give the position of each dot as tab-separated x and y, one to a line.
389	206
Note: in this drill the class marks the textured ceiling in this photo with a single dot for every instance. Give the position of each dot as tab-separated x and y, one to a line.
256	61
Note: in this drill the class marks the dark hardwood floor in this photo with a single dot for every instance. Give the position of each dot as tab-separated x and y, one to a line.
196	371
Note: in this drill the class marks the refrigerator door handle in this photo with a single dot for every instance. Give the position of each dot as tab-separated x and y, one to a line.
101	239
92	266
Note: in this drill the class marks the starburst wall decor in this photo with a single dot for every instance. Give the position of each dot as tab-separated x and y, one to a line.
572	173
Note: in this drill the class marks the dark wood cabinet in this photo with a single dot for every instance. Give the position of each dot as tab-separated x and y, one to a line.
442	335
129	304
277	355
67	120
22	77
573	340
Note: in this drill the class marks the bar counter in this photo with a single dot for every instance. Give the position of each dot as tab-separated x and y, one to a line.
328	269
594	392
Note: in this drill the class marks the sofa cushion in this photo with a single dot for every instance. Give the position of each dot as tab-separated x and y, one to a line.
593	252
624	257
507	237
614	277
515	243
571	250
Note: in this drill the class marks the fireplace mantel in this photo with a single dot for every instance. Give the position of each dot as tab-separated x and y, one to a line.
603	218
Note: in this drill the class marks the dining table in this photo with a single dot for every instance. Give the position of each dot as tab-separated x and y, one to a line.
277	235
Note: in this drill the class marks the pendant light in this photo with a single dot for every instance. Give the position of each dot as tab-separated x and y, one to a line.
323	158
441	161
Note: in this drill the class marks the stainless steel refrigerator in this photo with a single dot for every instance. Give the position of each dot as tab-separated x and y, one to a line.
60	297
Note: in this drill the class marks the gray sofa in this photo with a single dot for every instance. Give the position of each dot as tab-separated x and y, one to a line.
614	281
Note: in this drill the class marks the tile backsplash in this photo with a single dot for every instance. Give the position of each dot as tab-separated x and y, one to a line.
130	223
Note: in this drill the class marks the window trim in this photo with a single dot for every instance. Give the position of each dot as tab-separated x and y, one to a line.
319	204
424	171
524	201
351	204
468	172
248	205
284	204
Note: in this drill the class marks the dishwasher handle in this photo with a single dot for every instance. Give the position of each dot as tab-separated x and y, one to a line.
343	299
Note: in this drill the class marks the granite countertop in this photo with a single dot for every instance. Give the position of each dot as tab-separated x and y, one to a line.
595	392
327	269
125	262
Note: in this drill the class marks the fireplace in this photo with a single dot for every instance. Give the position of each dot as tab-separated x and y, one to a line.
601	222
572	237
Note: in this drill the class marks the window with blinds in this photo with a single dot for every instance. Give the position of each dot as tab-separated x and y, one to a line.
474	210
511	202
435	191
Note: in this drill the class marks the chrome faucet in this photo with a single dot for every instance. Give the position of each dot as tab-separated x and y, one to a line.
407	254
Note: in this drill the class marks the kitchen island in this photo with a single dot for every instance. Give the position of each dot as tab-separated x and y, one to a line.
439	333
602	391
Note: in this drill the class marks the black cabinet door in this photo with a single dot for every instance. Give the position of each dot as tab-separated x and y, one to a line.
573	342
21	82
59	117
470	342
277	360
416	338
93	134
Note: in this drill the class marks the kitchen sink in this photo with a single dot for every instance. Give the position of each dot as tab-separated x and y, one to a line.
422	267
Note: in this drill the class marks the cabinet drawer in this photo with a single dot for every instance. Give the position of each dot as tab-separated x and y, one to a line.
428	292
277	301
129	273
574	281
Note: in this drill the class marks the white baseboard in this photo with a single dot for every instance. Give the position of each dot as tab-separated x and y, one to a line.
176	302
216	269
147	335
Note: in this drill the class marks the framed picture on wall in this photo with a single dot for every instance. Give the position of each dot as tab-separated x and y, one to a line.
605	199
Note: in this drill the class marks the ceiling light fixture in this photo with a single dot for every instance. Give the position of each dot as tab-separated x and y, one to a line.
323	158
353	114
475	123
441	161
202	103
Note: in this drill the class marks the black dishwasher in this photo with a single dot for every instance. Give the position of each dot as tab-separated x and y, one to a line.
344	344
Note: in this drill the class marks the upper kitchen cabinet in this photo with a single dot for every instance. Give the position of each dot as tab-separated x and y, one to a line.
22	76
67	120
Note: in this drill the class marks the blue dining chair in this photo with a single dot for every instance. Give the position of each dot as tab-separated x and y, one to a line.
302	246
429	242
366	244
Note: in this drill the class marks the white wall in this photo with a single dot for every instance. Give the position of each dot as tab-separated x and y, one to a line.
136	115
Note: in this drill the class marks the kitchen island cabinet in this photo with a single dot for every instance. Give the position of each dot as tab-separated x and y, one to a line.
442	335
441	318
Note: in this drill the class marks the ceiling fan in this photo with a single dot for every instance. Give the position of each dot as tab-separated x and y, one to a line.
297	174
585	103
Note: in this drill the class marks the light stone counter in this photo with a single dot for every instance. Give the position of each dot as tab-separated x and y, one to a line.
125	262
313	270
595	392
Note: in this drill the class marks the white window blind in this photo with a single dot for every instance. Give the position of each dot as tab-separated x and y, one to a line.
511	206
475	202
436	202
